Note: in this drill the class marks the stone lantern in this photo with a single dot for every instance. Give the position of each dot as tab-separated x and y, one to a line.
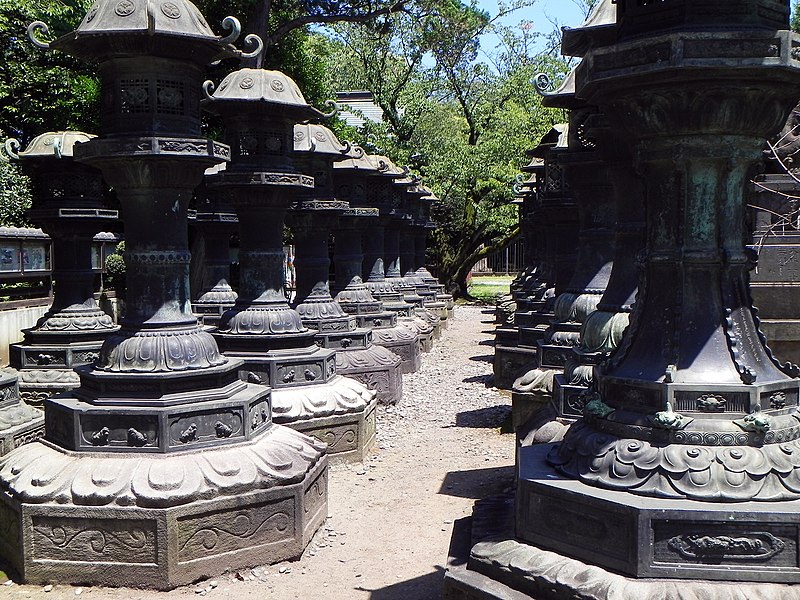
162	467
380	195
398	242
529	283
587	174
214	221
413	202
351	178
68	205
423	226
557	217
313	217
259	109
397	238
683	467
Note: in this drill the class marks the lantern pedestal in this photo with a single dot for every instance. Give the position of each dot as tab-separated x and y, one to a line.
19	423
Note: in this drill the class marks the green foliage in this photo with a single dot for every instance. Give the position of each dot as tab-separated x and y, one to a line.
795	18
40	90
464	124
115	270
15	196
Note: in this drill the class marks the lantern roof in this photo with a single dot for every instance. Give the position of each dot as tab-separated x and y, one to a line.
599	29
53	144
311	138
271	90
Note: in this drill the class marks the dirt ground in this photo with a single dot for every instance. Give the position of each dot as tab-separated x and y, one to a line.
390	518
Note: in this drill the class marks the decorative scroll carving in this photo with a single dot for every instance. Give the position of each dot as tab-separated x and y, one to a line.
760	545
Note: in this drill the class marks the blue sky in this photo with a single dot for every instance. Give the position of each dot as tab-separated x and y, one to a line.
565	12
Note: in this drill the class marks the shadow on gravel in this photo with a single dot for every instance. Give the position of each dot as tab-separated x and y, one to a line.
477	483
483	418
486	343
483	358
486	380
424	587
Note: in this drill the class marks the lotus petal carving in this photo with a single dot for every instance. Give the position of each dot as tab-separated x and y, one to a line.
39	473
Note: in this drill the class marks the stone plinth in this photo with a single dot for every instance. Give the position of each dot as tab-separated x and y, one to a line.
487	562
19	423
162	521
729	541
162	467
69	205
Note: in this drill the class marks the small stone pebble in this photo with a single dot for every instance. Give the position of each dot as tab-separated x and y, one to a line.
8	583
79	591
47	588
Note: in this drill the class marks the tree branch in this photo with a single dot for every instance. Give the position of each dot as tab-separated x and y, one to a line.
287	27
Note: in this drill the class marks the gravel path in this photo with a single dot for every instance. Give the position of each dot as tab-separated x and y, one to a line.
390	518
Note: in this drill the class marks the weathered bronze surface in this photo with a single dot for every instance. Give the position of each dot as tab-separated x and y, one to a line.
351	177
160	386
313	218
69	205
259	109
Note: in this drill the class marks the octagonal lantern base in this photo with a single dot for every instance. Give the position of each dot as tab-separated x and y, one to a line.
423	330
164	546
647	537
487	562
403	342
508	361
47	369
377	368
18	435
349	436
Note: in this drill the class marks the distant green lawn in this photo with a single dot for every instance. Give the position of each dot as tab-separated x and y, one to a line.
487	289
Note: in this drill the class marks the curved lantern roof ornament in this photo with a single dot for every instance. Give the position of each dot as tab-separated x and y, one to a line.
273	89
318	139
599	29
385	166
355	160
57	144
546	88
180	21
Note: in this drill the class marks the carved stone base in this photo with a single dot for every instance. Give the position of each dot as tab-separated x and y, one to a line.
404	343
506	336
508	361
19	423
377	368
210	313
567	398
552	356
440	310
349	436
211	510
47	369
525	404
487	562
421	329
532	336
655	537
431	319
